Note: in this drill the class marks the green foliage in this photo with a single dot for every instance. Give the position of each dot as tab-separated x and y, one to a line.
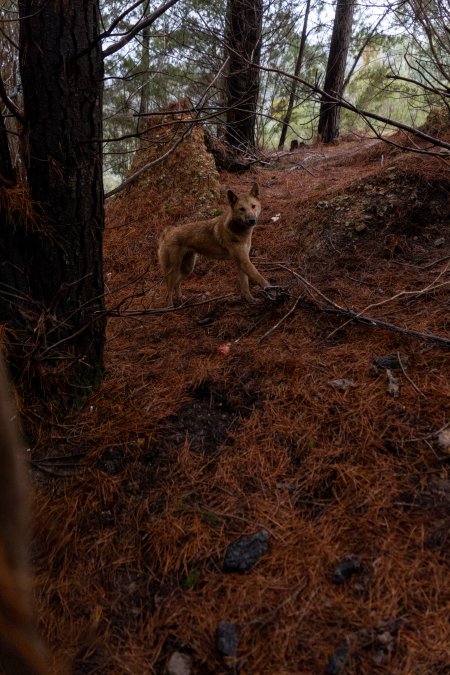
185	51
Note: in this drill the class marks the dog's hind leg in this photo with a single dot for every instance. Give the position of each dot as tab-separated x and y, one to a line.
176	276
188	264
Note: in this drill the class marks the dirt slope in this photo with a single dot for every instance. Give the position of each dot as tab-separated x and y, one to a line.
209	427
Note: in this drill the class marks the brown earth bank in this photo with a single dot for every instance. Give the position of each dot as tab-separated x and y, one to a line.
326	437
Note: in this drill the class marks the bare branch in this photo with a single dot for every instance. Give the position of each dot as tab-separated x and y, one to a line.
363	113
140	25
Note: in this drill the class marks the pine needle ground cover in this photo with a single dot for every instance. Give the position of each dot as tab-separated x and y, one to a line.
324	436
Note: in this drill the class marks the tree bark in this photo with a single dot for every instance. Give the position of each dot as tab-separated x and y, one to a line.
7	173
243	39
51	281
329	118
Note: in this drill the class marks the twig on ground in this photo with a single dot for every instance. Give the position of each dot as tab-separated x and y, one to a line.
414	386
424	267
165	310
433	434
283	318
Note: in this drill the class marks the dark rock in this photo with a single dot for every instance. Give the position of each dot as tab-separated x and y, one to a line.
352	564
338	661
243	553
389	361
227	638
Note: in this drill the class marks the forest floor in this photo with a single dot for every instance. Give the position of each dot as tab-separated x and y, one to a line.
327	439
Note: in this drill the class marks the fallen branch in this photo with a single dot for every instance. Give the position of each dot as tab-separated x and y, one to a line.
353	316
334	308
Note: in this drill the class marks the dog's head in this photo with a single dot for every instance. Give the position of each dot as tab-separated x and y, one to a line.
247	208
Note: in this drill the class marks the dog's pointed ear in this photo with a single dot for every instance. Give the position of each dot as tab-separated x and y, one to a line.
232	198
255	190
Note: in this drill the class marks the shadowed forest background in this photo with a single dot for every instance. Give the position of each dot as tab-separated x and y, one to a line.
220	487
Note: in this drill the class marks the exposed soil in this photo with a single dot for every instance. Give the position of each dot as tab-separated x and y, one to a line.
221	419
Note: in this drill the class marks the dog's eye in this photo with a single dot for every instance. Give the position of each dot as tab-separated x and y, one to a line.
242	209
253	206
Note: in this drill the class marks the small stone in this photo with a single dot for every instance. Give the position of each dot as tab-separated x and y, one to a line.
343	384
393	385
338	661
179	664
227	638
360	227
243	553
389	361
439	242
352	564
443	440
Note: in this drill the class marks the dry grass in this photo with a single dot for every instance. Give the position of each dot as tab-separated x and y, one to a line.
184	449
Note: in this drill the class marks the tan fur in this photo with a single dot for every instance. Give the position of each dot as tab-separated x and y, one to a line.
227	237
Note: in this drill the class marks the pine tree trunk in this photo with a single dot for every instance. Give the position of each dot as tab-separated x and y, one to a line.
52	270
7	173
243	39
329	119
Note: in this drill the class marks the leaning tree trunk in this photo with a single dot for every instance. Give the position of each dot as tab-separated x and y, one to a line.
329	118
243	39
51	282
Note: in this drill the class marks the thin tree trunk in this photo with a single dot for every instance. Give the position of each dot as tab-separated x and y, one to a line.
51	283
298	66
145	87
329	118
144	68
7	173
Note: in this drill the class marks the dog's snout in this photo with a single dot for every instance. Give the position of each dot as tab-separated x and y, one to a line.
251	220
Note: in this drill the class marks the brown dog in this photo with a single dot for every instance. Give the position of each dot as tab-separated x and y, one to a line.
227	237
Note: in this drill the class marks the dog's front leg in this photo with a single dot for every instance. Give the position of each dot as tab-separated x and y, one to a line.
245	288
247	269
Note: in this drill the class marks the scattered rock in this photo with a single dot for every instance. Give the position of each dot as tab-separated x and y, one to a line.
338	661
383	639
360	227
243	553
380	640
393	386
439	242
227	640
179	664
343	385
443	440
390	361
352	564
